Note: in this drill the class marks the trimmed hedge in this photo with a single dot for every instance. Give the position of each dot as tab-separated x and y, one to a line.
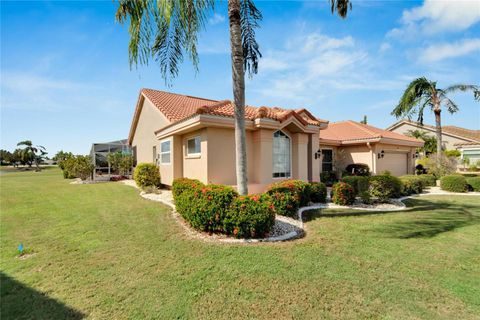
474	183
343	194
288	195
181	184
318	192
411	184
453	183
385	187
250	216
146	175
218	208
360	184
429	180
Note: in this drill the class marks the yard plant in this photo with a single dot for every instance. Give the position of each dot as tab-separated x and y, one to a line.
474	183
412	184
384	187
453	183
147	175
343	194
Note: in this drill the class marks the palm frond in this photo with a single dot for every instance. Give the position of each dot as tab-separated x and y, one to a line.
341	7
461	87
164	30
451	106
249	19
418	91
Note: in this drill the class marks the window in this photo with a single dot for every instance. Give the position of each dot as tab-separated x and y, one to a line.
154	154
194	146
281	155
165	152
327	160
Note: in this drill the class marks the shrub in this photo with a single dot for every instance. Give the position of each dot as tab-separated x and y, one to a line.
428	180
328	177
318	192
250	216
77	167
359	183
419	169
343	194
448	165
474	183
358	169
453	183
288	195
147	174
205	207
182	184
384	187
452	153
411	184
68	168
366	197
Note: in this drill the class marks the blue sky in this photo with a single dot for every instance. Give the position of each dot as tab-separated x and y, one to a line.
65	79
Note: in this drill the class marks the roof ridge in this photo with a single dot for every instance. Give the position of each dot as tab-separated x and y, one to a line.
361	127
180	94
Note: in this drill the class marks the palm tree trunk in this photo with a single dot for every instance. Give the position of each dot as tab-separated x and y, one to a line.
438	126
238	77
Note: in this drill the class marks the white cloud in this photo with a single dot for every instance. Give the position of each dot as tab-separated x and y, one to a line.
384	47
438	52
436	16
216	19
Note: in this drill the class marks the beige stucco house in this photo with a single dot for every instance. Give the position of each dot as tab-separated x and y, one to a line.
467	141
347	142
194	137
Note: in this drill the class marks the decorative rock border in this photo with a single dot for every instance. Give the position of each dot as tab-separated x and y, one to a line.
297	227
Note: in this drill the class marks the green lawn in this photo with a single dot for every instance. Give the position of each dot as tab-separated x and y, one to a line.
101	251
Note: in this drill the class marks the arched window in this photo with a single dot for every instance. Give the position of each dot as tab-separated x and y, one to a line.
281	155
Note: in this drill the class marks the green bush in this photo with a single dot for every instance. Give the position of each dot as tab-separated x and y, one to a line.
288	196
385	187
68	168
411	184
328	177
318	192
428	180
359	183
78	167
205	207
182	184
474	183
453	183
146	175
343	194
250	216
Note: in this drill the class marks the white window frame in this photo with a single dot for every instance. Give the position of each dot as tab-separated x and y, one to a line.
196	154
290	139
160	154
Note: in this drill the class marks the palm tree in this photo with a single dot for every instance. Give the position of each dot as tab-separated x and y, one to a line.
422	93
430	142
166	30
31	153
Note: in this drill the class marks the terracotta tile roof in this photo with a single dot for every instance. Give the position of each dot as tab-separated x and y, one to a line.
178	107
175	107
352	131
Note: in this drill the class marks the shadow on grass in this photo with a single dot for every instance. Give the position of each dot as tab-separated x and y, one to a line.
19	301
428	218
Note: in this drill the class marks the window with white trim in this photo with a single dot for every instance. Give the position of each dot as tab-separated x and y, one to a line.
165	152
194	147
281	155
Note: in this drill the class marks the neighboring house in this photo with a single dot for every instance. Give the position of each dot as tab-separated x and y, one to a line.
347	142
195	138
99	152
467	141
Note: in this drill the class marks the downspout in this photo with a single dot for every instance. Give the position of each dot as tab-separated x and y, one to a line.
374	164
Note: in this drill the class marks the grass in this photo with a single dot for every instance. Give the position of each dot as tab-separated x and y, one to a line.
101	251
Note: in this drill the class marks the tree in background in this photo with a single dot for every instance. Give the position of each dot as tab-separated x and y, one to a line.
61	156
166	30
430	144
120	163
5	157
32	154
422	93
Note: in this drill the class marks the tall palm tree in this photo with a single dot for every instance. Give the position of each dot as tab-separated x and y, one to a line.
166	30
422	93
